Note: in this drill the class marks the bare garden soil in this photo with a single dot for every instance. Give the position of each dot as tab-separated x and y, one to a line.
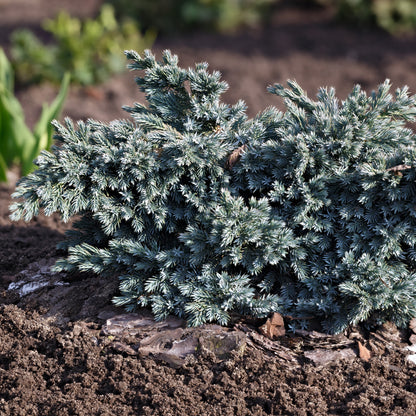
65	350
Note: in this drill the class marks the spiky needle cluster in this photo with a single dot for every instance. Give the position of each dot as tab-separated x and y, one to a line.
202	212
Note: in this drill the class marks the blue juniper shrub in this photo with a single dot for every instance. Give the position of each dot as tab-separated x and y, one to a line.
202	212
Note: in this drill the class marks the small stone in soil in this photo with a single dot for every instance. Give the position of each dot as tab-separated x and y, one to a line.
135	323
324	357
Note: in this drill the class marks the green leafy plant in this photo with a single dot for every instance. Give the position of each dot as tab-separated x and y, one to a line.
89	50
202	212
19	145
181	15
394	16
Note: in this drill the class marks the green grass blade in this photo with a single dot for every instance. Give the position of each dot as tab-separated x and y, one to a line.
17	140
49	113
3	170
6	72
43	130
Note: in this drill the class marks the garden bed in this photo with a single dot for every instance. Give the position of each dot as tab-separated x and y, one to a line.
64	349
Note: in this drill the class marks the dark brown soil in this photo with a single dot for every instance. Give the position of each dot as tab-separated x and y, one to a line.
58	354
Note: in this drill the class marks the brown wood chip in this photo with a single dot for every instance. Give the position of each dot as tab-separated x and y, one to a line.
363	352
274	327
235	156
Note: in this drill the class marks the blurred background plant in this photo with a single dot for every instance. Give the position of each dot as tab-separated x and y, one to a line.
394	16
180	15
167	16
91	50
18	144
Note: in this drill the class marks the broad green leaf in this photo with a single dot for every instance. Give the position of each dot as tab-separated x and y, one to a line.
6	72
43	129
17	141
3	170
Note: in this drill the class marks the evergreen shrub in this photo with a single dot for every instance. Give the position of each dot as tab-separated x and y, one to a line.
203	213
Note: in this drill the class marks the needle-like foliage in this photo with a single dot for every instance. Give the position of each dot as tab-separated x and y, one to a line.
202	212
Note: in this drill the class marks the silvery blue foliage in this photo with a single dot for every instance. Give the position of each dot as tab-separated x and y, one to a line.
202	212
